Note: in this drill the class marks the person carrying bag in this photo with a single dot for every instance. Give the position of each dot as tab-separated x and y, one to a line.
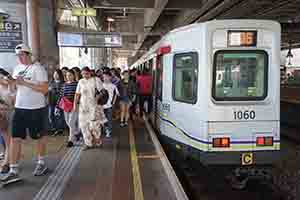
66	103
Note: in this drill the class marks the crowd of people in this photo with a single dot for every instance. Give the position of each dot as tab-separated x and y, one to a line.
82	102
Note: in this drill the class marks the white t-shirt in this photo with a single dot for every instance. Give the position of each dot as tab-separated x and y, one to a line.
112	90
86	88
28	98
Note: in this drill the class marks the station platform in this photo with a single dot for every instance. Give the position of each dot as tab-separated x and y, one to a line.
129	166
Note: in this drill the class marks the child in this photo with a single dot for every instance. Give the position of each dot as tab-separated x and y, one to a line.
96	123
113	93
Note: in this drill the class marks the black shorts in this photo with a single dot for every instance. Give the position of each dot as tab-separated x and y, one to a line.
32	121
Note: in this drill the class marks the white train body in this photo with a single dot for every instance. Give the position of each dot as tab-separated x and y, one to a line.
220	89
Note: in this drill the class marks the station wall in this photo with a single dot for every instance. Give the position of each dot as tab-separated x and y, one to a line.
49	52
17	13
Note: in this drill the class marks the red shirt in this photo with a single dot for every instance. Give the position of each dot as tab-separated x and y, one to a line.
145	84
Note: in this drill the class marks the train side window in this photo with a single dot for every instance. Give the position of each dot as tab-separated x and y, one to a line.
152	72
150	65
185	77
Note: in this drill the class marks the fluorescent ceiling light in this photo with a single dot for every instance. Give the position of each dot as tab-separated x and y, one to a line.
109	19
106	3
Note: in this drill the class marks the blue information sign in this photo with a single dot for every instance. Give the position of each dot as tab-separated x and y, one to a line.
97	39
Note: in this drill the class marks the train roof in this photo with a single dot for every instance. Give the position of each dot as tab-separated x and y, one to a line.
235	23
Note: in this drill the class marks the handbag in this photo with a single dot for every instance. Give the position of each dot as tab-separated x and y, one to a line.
65	104
101	96
4	116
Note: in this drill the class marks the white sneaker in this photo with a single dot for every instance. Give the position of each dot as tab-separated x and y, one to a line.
2	156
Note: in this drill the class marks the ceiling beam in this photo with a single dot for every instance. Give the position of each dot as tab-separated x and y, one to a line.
178	4
135	4
286	46
189	16
252	9
144	4
74	29
221	8
290	26
150	18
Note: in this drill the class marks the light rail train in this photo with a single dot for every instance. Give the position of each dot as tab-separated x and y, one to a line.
216	91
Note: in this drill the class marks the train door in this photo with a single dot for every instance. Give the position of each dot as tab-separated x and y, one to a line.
152	70
185	123
158	92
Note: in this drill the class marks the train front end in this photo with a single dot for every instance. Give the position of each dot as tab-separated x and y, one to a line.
243	122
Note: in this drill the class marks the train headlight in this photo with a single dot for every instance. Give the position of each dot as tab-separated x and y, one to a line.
221	142
264	141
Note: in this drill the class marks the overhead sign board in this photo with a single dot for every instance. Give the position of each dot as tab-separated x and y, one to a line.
10	35
70	39
97	39
103	40
90	12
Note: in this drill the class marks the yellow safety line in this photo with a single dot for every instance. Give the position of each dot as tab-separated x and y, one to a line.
149	157
137	183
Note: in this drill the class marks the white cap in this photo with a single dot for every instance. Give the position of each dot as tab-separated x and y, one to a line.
22	48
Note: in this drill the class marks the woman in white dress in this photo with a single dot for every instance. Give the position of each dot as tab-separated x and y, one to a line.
6	110
85	96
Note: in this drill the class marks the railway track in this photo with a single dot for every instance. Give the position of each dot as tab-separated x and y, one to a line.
290	133
201	182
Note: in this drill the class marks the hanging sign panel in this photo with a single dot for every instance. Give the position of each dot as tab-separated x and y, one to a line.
70	39
103	40
10	35
89	12
97	39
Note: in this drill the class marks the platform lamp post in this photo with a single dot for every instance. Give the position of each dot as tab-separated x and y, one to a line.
289	54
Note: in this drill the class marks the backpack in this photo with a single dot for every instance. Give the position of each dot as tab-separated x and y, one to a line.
102	96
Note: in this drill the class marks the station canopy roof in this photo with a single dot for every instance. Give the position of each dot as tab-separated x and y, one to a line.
143	22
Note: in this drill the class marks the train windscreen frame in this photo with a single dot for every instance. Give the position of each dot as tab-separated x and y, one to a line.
240	75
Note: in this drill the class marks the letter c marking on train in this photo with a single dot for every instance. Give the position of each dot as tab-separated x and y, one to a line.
247	159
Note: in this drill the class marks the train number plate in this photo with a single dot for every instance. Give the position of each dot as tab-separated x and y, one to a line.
247	158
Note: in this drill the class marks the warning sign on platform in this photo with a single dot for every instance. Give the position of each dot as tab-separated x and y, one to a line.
10	35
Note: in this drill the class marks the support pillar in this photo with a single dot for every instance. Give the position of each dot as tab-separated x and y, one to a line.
32	12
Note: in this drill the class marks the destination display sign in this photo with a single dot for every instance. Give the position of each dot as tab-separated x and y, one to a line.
242	38
10	35
97	39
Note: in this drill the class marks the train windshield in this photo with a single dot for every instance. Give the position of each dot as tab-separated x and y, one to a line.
240	75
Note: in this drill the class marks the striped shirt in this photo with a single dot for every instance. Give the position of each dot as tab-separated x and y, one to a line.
68	91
